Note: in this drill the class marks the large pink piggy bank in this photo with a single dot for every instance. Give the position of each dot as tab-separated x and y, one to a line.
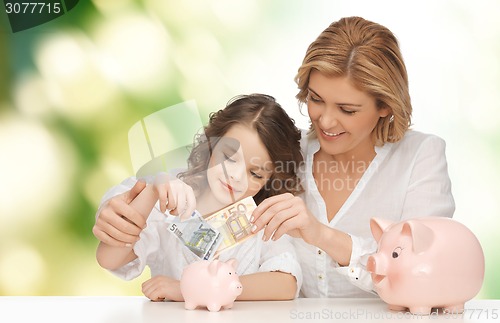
425	263
213	284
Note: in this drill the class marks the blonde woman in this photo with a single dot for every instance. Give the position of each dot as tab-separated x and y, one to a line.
361	159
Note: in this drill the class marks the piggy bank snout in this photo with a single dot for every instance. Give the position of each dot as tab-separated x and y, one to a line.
376	267
236	287
371	264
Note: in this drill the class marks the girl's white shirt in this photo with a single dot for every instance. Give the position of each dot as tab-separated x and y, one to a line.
165	255
405	180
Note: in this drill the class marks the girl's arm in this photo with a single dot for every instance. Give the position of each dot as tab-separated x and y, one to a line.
262	286
112	257
268	286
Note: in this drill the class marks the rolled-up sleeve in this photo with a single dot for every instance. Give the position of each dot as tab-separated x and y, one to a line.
356	272
146	249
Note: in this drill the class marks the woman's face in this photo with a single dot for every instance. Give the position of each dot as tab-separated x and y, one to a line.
239	166
342	116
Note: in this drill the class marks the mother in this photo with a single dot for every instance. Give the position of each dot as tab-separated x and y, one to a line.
361	159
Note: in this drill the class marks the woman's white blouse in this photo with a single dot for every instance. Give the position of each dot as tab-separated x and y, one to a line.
405	180
165	255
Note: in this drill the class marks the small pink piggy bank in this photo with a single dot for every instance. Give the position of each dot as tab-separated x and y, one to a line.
213	284
425	263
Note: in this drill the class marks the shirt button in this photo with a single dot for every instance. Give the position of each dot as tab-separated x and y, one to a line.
320	276
320	252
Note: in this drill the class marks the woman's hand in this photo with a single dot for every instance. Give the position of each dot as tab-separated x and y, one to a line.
160	288
175	196
285	213
118	224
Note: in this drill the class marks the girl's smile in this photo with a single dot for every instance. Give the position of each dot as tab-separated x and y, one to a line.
229	188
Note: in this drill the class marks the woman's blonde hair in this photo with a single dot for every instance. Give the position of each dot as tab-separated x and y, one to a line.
369	55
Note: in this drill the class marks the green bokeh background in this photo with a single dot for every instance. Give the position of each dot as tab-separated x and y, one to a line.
71	89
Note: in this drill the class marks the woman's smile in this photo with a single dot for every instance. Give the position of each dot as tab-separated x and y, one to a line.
332	135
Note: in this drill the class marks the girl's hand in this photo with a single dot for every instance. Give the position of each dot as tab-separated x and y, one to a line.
160	288
285	213
118	224
175	196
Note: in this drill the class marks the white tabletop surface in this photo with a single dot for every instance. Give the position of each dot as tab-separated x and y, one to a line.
139	309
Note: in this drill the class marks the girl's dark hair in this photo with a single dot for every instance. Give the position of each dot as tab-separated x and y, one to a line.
274	127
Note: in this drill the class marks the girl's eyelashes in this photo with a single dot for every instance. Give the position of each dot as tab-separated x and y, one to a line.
228	157
254	174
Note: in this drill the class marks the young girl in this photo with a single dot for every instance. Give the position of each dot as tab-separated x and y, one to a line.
242	153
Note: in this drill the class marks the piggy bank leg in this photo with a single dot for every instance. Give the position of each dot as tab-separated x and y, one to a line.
422	310
454	309
190	306
214	307
397	308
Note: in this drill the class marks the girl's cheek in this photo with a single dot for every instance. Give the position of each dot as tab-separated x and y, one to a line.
253	187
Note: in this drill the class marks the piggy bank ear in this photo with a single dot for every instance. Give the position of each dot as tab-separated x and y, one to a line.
213	267
232	262
421	235
378	227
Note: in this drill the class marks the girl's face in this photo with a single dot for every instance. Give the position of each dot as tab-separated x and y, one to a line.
342	116
239	166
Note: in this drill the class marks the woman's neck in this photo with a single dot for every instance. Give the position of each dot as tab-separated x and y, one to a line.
350	162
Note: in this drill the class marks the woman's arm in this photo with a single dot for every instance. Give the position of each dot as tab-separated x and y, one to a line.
337	244
268	286
286	213
116	223
120	221
113	257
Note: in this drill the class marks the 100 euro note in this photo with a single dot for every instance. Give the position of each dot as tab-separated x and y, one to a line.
224	229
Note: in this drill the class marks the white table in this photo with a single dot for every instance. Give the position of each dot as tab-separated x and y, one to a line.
139	309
